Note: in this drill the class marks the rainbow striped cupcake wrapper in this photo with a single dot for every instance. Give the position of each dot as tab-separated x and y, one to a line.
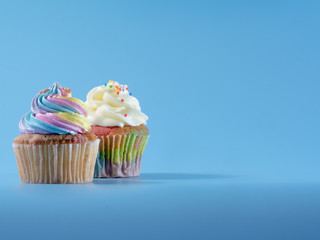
120	155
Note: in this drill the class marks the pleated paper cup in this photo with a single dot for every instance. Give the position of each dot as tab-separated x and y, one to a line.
120	155
58	163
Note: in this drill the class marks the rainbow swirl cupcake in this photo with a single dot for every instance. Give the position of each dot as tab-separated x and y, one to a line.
55	145
117	120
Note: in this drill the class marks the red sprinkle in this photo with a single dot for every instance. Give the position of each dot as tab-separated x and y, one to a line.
122	100
126	115
118	93
127	88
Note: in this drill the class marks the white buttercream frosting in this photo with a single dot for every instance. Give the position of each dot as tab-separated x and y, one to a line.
112	105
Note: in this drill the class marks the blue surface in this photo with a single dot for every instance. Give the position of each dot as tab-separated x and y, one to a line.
162	206
232	92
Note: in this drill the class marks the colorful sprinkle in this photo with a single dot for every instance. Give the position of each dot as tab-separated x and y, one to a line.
126	115
118	87
122	100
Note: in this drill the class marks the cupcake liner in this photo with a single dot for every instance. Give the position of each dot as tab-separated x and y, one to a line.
59	163
120	155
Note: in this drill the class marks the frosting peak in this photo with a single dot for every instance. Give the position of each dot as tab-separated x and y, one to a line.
112	105
54	111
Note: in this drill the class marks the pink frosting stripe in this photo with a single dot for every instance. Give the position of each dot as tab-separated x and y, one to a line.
62	91
59	122
67	103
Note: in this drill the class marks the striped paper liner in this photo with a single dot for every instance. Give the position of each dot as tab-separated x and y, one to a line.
59	163
120	155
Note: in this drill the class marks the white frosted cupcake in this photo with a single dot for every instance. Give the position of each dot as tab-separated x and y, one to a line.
116	119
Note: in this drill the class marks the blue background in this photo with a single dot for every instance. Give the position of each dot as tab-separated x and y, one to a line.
231	89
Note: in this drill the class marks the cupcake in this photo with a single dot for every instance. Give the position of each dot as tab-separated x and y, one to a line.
116	119
55	145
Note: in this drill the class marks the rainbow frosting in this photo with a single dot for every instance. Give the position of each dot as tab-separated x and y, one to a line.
54	111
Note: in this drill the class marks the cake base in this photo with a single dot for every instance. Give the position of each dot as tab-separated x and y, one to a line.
120	150
123	170
58	163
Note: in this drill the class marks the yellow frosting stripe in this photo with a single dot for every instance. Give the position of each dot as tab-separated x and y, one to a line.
76	119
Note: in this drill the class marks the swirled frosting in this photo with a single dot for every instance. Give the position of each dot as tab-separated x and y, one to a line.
54	111
112	105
